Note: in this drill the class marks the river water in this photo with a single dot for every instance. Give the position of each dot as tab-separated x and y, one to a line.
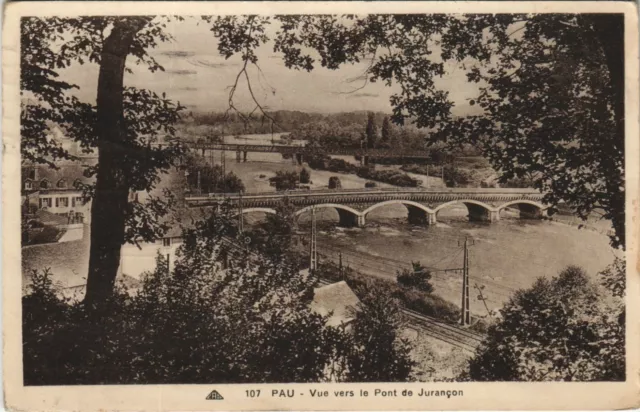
503	256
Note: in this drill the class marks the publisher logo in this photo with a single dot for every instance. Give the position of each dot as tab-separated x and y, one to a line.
214	396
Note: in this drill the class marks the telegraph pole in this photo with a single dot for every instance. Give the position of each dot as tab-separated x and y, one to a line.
313	253
223	162
466	316
427	175
482	298
341	269
240	218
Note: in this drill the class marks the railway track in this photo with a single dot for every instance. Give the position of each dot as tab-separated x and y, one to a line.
453	335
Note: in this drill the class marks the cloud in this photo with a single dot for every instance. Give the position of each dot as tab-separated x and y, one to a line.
362	95
180	72
178	53
209	64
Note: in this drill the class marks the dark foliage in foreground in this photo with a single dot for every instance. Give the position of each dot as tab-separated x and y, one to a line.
563	329
200	323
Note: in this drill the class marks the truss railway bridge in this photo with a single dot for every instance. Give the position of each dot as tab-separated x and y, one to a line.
298	153
422	205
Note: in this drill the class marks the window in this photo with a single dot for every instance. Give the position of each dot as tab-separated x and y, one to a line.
45	202
32	174
76	201
166	241
44	184
64	201
28	185
62	184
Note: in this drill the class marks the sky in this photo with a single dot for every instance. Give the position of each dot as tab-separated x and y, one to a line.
199	78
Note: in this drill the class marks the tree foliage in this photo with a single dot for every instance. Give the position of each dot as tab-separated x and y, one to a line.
379	354
275	236
551	90
418	277
123	126
371	132
386	133
245	323
558	330
206	178
284	180
551	94
305	176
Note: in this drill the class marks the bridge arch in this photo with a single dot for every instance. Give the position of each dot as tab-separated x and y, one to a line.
523	201
348	216
528	209
396	202
478	211
267	210
465	202
416	213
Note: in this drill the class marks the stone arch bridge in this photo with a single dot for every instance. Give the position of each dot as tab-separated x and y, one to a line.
422	205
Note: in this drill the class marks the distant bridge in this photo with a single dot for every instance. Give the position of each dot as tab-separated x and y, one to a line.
422	205
298	152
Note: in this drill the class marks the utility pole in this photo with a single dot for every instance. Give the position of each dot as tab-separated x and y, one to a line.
427	175
240	216
223	162
341	269
482	298
313	253
465	314
199	189
442	174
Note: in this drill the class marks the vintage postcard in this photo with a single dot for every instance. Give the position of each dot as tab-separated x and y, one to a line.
320	206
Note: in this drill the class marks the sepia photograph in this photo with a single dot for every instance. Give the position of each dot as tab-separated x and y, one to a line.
346	196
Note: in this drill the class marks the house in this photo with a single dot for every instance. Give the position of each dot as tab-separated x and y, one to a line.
58	191
137	259
338	300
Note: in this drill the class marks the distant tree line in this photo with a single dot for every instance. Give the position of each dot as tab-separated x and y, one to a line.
205	178
394	177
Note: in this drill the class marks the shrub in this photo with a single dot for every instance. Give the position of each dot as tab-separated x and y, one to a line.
339	165
317	162
334	183
519	182
192	324
571	334
456	177
305	177
418	277
370	184
393	177
211	178
284	180
427	304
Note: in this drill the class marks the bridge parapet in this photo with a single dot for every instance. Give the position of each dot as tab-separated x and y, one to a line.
422	205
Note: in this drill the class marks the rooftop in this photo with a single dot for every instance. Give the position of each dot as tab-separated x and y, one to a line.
338	299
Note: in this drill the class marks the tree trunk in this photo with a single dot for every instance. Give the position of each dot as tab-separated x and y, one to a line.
609	29
111	191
